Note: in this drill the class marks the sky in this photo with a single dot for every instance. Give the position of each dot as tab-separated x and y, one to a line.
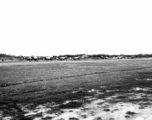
58	27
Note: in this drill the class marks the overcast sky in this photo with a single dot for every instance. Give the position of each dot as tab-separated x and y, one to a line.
54	27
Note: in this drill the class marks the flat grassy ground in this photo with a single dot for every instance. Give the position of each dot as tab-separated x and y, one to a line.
76	90
51	81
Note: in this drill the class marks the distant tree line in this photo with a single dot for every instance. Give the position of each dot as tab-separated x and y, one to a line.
6	55
71	57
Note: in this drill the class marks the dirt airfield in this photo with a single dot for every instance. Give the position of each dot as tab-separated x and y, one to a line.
76	90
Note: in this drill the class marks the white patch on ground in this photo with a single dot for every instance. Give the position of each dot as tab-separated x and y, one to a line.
97	109
148	79
7	118
140	89
108	111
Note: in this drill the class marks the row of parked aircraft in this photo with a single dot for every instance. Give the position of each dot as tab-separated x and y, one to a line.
68	57
47	58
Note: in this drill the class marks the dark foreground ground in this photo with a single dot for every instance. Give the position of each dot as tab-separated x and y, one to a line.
76	90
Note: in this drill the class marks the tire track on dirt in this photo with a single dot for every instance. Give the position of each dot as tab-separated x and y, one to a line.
72	76
24	92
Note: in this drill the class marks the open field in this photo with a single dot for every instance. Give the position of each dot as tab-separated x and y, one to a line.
121	89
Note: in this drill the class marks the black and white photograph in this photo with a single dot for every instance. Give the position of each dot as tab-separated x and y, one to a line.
75	59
